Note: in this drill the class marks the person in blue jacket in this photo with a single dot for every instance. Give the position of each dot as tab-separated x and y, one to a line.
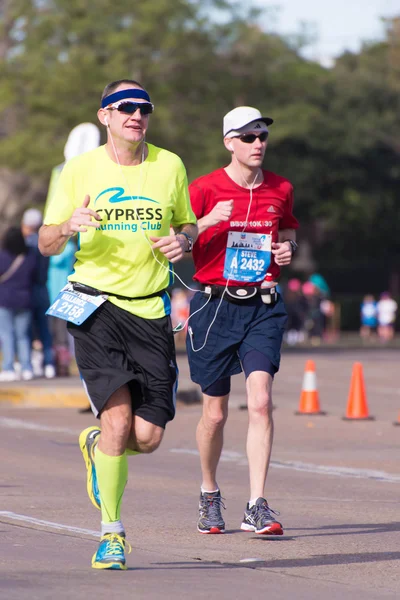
17	275
31	222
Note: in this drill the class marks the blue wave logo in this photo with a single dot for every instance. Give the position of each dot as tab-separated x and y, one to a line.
119	196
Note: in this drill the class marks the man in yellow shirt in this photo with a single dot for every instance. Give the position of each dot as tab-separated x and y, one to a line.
121	199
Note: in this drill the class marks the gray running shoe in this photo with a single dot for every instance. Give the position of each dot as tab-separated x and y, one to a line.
210	518
259	518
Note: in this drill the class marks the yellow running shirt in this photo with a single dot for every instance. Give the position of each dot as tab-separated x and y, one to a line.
134	202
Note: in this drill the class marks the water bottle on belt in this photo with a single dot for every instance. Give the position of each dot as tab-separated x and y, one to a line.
269	294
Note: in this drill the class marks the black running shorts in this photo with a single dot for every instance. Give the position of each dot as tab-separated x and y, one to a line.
114	347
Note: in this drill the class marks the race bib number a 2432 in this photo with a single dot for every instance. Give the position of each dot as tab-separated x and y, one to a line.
248	256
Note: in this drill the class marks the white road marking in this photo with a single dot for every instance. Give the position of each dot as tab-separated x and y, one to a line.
241	460
20	424
339	471
47	524
231	456
250	560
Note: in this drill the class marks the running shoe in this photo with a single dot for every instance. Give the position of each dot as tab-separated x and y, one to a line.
87	442
49	371
259	518
8	376
210	518
27	375
111	552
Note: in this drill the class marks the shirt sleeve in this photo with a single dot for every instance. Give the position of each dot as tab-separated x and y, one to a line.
63	201
183	212
288	220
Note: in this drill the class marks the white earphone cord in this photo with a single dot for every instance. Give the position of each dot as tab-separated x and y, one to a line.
168	268
229	276
140	219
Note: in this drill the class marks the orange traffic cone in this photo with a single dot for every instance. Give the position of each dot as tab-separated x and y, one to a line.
357	407
397	423
309	399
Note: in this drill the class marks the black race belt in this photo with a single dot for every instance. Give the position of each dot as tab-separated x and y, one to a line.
238	294
91	291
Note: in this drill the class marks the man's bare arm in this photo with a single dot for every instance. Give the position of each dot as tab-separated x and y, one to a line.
52	238
174	246
282	250
287	234
221	212
189	228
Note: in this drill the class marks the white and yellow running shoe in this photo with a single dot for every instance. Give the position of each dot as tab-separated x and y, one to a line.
87	442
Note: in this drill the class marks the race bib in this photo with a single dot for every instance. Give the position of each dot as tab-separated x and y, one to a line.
248	256
73	306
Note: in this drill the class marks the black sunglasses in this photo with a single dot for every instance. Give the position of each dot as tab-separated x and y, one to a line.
129	108
249	138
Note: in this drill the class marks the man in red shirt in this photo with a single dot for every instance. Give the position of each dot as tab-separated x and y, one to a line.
246	233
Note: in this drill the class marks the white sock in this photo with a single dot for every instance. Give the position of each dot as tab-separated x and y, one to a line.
203	491
114	527
252	503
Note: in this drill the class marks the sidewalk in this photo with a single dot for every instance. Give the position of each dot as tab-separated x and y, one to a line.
61	392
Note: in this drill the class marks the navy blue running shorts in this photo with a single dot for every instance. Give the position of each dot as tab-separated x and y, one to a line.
114	348
239	329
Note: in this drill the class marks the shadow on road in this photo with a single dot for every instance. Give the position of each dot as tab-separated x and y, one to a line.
281	563
348	529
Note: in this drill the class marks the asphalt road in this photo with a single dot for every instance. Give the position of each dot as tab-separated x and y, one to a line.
335	483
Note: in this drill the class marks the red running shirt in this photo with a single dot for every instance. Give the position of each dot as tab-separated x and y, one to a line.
271	210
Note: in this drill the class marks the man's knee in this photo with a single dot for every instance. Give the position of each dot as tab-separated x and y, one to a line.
145	437
260	406
151	443
214	415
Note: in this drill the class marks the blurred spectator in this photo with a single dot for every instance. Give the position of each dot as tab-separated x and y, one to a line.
329	323
314	323
60	267
296	308
31	222
327	317
18	272
387	308
369	316
320	283
180	313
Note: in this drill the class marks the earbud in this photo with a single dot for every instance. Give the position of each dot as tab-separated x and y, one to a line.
106	122
230	147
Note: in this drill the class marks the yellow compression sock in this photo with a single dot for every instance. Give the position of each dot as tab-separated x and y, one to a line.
112	475
130	452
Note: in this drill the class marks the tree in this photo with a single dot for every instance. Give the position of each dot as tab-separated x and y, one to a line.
357	141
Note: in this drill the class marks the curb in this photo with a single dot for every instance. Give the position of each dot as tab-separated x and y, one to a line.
42	397
38	396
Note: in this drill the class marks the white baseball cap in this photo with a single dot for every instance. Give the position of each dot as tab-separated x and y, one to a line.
241	116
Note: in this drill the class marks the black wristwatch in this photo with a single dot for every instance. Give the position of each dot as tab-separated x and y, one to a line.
293	245
189	239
